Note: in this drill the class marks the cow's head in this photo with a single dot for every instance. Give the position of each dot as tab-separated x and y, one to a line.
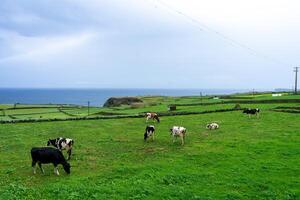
145	136
71	143
51	142
67	168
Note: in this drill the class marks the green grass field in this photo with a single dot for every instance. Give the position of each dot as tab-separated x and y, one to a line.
256	158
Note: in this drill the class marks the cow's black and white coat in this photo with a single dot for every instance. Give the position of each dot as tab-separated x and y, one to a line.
61	144
149	132
45	155
178	131
212	126
252	111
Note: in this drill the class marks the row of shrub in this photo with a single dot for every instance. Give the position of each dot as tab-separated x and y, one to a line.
196	112
286	111
38	107
235	97
263	101
66	119
113	117
288	107
40	113
66	113
12	117
107	113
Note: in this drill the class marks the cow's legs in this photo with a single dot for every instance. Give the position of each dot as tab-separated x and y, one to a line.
182	140
147	118
40	165
33	166
69	154
55	169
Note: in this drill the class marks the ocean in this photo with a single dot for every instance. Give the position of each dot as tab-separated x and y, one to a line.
96	97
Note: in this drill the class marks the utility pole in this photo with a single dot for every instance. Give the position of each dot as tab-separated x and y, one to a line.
201	96
88	108
296	77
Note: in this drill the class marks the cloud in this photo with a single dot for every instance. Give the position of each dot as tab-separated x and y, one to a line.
130	43
32	49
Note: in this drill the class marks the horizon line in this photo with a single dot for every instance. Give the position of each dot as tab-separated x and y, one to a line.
145	88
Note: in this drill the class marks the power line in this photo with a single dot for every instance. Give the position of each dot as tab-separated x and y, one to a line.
233	42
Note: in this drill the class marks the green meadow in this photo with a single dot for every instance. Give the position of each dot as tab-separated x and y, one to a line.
247	158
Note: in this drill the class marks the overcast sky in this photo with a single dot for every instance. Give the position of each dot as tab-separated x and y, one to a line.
149	43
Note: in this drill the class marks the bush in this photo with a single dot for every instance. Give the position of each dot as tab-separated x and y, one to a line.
237	106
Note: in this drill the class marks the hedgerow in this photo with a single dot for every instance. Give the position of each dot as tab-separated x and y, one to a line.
140	115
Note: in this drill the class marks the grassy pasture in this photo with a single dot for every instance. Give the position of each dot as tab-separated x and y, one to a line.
245	159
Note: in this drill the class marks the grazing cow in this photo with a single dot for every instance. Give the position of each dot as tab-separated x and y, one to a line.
212	126
44	155
61	144
251	111
150	130
178	131
153	116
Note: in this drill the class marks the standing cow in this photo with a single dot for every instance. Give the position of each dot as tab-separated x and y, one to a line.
252	111
45	155
62	143
149	132
178	131
152	115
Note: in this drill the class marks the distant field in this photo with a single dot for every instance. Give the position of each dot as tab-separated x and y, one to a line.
151	103
247	158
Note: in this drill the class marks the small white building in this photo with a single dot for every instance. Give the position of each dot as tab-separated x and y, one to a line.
276	95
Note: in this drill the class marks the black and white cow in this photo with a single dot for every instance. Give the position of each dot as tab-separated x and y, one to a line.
45	155
61	144
212	126
178	131
149	132
251	111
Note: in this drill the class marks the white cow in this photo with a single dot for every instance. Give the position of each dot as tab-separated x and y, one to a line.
212	126
178	131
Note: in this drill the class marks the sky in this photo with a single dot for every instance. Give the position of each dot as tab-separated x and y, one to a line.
233	44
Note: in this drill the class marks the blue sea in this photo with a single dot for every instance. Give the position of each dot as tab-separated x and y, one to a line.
96	97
